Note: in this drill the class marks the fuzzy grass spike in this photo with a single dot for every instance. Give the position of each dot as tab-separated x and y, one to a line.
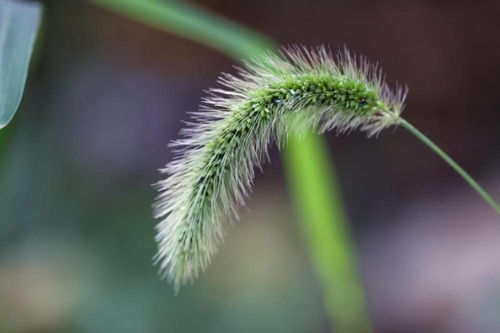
214	165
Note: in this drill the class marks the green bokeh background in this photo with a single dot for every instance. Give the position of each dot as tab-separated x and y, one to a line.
105	95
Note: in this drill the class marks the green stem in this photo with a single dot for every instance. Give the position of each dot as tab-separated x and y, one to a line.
326	231
451	163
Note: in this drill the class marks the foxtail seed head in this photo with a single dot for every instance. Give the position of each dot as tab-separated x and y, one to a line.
214	166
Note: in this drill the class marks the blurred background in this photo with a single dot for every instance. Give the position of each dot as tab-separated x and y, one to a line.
105	95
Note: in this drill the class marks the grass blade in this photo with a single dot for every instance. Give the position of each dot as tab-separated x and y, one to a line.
193	23
327	236
19	22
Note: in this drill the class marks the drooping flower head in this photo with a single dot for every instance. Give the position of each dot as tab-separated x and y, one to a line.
298	89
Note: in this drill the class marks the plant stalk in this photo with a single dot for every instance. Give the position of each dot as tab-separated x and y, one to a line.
435	148
326	231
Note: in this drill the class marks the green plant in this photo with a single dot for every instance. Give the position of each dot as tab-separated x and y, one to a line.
301	90
275	105
308	169
325	227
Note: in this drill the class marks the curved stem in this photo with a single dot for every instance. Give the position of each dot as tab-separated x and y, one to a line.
451	163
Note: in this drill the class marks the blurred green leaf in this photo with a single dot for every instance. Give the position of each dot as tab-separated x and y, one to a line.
193	23
313	185
19	22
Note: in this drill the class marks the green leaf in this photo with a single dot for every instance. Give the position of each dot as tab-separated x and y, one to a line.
19	22
314	187
193	23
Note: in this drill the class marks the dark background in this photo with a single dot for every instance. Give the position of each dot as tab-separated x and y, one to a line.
106	95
